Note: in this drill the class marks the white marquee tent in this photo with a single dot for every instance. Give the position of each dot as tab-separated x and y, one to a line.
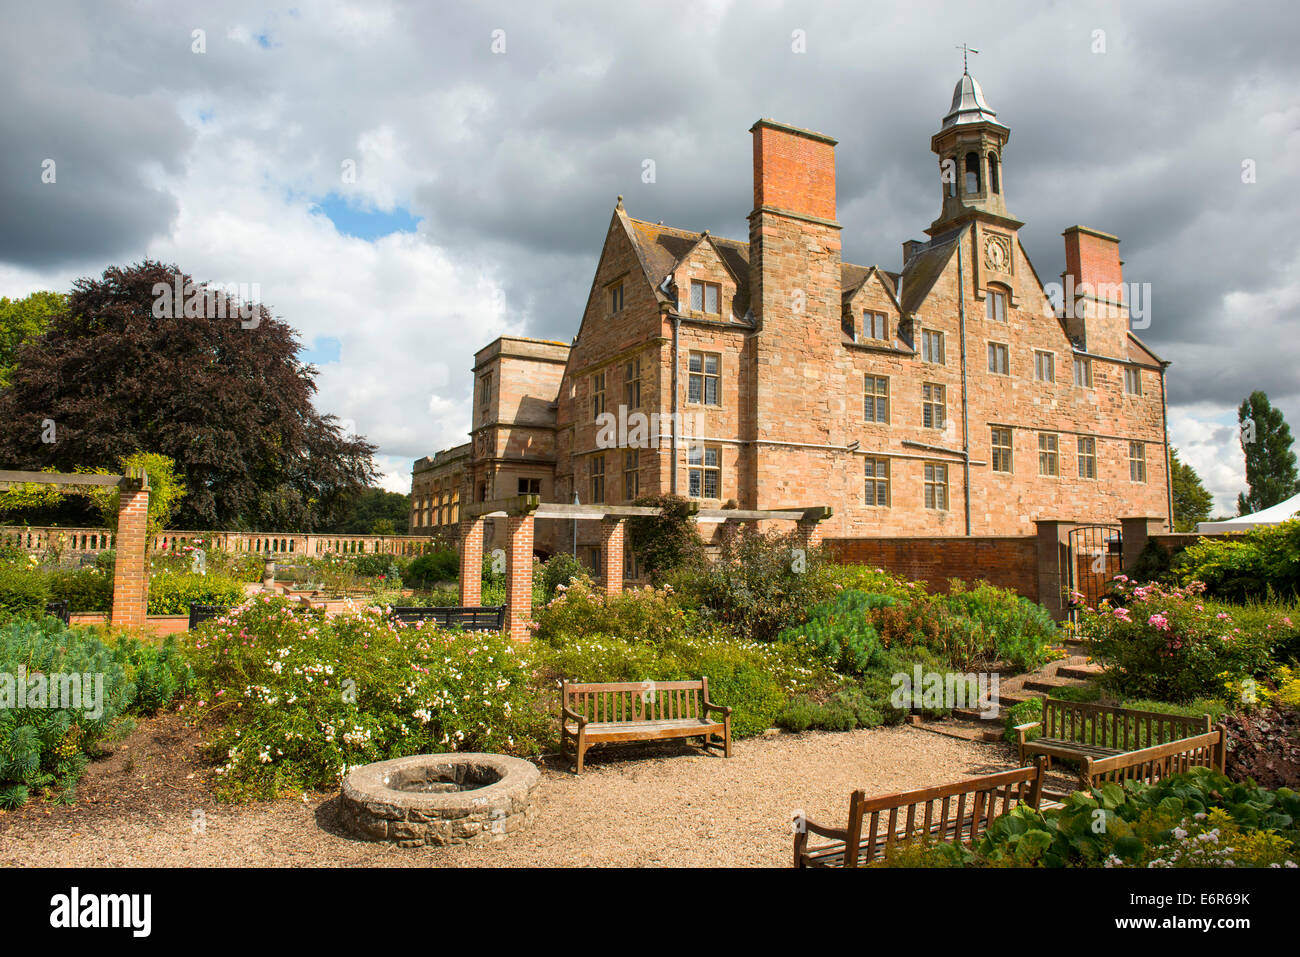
1269	516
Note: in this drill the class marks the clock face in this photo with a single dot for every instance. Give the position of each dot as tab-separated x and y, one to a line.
996	254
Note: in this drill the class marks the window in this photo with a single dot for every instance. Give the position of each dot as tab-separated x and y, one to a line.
704	471
705	297
995	305
932	405
632	384
1001	442
972	172
936	486
1049	454
530	486
948	173
631	475
1133	381
875	326
594	557
932	347
993	171
876	472
1087	457
999	359
703	383
485	390
876	399
616	298
1083	373
597	479
597	394
1044	366
1137	462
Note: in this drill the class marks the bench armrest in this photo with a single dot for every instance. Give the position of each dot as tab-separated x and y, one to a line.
710	706
812	827
1022	728
573	716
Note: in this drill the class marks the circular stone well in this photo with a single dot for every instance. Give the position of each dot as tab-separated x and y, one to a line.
439	799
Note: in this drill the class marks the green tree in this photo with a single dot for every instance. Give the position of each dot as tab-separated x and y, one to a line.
667	541
22	321
370	509
1270	462
1192	502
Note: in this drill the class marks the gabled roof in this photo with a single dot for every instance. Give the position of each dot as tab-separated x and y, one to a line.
662	248
927	264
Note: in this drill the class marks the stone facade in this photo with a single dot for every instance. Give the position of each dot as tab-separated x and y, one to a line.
948	398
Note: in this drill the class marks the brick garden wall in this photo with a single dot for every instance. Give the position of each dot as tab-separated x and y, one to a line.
1010	562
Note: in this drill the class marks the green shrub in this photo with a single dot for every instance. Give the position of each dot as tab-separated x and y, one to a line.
579	612
171	593
841	631
44	748
303	697
159	673
1011	628
23	592
759	585
666	542
84	589
1023	713
432	568
560	569
1259	563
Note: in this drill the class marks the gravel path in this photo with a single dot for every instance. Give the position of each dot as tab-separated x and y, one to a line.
632	807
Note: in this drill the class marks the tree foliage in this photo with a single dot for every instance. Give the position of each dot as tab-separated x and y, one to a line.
664	542
1192	502
365	512
1270	462
226	398
21	321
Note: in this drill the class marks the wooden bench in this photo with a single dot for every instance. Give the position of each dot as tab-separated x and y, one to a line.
616	712
1077	730
466	617
947	813
1207	750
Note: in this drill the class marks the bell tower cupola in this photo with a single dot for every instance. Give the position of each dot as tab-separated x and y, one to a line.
969	145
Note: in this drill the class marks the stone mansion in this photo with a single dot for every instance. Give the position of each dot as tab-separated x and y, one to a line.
949	398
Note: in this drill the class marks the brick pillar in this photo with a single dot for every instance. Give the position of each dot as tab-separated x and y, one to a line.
611	554
130	576
471	561
1053	575
519	577
810	533
1136	532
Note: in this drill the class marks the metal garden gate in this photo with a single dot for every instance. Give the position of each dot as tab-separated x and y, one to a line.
1096	556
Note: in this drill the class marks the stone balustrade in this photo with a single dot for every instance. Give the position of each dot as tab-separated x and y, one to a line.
270	544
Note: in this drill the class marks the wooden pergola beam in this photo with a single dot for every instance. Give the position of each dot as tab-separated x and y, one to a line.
499	507
816	513
10	478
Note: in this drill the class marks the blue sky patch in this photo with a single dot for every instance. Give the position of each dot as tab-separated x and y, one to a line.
323	350
368	224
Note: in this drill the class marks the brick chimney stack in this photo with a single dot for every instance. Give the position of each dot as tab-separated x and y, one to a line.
1093	281
795	293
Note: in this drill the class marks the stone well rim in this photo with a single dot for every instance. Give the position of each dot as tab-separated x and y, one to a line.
368	784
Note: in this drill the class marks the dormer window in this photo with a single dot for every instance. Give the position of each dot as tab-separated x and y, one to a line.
706	297
875	325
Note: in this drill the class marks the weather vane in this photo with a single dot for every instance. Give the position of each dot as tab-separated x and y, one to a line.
964	51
